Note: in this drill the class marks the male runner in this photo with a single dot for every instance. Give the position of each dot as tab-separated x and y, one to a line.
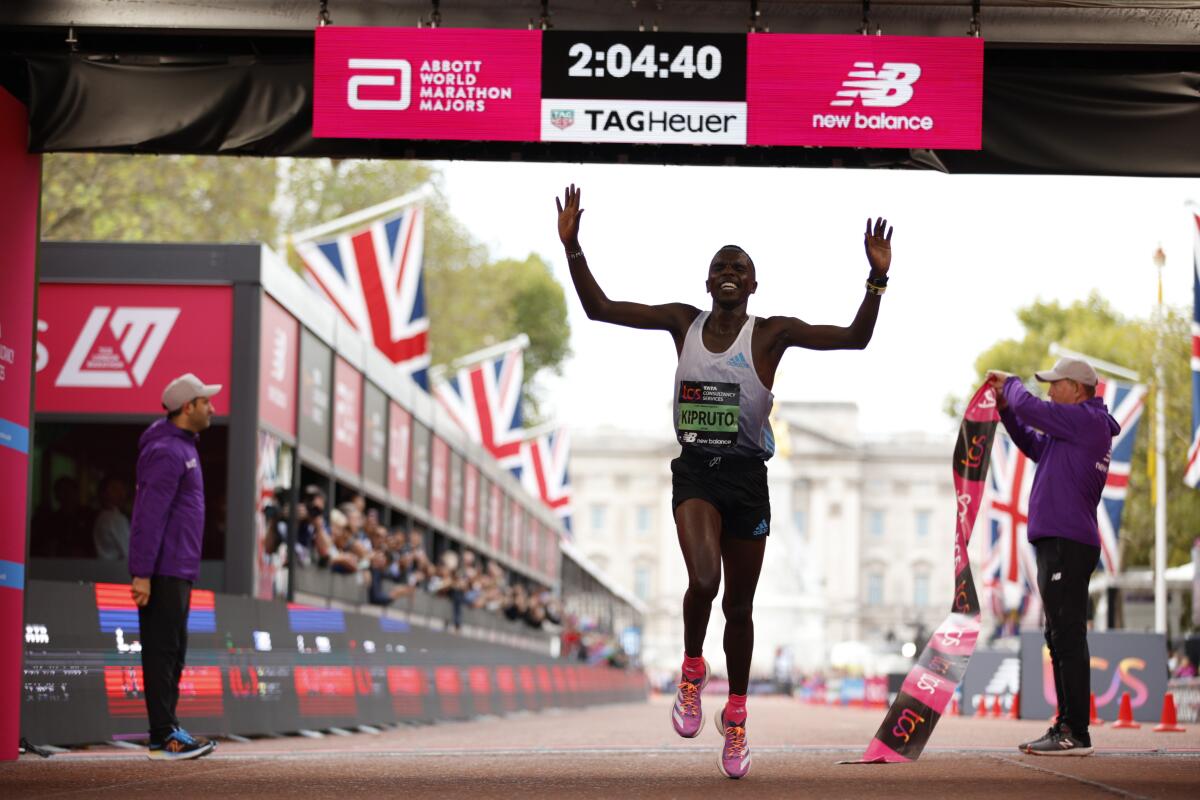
727	363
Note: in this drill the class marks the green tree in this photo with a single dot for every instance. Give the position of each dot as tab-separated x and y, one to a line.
157	198
472	301
1093	327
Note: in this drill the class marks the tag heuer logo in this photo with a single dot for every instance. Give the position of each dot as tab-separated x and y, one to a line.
562	118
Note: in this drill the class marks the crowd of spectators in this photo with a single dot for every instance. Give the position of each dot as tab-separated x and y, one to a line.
397	563
65	527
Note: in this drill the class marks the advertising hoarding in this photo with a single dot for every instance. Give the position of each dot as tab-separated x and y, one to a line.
399	447
316	384
347	416
113	348
374	437
279	351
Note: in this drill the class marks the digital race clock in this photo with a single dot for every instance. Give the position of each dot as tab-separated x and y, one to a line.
644	87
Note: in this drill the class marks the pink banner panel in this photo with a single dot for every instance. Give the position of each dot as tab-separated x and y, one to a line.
113	348
515	532
954	639
495	517
347	416
431	83
279	350
865	91
930	688
399	452
470	520
19	230
439	479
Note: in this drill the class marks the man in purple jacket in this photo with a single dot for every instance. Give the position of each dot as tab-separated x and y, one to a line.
164	555
1070	437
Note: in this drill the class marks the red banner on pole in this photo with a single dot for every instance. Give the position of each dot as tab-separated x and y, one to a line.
19	231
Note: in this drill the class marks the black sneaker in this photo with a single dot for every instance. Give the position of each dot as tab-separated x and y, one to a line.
1063	743
179	746
1048	736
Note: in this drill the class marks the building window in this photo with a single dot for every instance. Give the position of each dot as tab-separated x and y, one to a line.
835	510
800	520
923	517
598	518
875	523
875	589
643	520
641	582
921	590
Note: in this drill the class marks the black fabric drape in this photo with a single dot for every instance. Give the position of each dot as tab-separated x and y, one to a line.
1041	115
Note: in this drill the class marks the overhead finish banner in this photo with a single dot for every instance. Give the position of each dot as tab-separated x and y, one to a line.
648	88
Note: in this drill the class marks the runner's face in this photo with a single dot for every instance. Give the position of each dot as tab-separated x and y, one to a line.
731	278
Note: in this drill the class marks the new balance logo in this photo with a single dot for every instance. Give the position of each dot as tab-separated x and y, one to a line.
136	335
762	529
888	87
739	361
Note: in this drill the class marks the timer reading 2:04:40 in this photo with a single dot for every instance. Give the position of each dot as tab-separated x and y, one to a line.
626	65
618	61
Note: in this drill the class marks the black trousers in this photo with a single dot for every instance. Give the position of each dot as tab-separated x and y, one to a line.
1064	568
164	648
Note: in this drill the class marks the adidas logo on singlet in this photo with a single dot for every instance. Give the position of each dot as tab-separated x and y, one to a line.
738	361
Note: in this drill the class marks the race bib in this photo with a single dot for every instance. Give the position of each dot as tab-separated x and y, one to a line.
708	413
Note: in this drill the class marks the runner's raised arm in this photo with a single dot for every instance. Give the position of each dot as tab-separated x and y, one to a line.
673	317
785	332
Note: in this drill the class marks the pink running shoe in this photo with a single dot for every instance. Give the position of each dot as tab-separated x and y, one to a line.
686	714
735	755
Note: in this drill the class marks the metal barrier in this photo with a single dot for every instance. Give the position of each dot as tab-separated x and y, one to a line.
321	587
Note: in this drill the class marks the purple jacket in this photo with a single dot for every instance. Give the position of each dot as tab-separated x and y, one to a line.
168	509
1072	452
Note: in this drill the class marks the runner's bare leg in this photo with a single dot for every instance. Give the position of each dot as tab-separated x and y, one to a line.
699	527
743	563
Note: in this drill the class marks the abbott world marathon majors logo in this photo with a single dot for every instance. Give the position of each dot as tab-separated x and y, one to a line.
116	349
386	84
890	86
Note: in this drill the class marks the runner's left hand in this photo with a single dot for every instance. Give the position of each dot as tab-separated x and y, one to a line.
878	245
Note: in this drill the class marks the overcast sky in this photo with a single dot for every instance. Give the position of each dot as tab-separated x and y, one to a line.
967	253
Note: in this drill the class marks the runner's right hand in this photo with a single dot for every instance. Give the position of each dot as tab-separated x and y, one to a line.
569	213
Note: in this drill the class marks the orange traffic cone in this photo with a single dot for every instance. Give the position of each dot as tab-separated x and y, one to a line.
1094	720
1169	723
954	712
1125	715
997	708
981	707
1014	708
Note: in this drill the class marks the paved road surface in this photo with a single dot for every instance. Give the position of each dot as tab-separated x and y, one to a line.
630	751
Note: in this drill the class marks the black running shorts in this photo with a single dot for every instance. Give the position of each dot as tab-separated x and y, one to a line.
735	485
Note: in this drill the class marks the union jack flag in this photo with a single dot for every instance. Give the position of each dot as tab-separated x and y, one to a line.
1192	476
484	399
1011	560
373	276
543	470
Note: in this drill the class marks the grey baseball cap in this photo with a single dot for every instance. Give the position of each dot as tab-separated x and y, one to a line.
185	388
1072	369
